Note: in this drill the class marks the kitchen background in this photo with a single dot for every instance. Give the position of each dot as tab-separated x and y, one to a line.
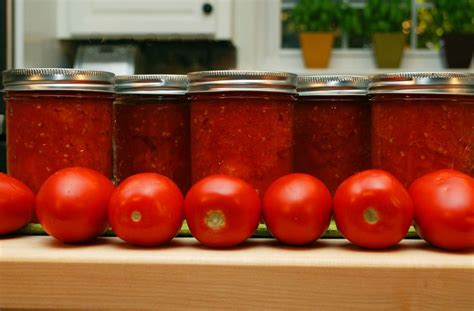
178	36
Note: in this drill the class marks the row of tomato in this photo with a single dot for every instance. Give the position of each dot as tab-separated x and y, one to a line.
372	209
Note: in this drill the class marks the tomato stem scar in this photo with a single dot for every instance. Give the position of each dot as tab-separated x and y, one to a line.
136	216
371	216
215	220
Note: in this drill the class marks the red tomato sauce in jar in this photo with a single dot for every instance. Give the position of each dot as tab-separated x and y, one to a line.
57	118
423	122
242	125
332	127
151	128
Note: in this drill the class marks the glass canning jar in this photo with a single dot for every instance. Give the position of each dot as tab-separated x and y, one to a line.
242	124
57	118
332	127
151	127
422	122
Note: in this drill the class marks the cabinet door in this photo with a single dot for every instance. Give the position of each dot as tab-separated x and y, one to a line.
144	18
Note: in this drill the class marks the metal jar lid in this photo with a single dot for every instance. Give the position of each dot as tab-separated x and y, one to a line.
338	85
57	79
151	84
423	83
241	80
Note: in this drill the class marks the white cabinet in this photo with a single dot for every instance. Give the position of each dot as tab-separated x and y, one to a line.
144	18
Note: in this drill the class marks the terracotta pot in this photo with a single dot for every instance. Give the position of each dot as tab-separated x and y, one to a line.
388	49
316	47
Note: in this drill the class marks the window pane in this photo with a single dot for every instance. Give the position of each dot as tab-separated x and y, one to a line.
289	35
425	29
357	38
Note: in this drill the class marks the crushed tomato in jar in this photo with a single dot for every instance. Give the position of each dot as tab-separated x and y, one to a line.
57	118
242	125
332	127
422	122
151	127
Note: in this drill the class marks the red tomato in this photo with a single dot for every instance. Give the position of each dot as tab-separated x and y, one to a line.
72	204
146	209
222	211
297	209
372	209
17	203
444	209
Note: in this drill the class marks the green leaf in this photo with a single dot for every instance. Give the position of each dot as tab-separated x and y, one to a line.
385	16
317	15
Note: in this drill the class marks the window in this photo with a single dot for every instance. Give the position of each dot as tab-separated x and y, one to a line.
272	45
421	35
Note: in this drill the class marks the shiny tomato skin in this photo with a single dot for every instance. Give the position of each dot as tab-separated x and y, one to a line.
222	211
146	209
372	209
297	209
444	209
72	204
17	203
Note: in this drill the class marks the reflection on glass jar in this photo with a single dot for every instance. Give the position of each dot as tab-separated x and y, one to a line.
423	122
242	125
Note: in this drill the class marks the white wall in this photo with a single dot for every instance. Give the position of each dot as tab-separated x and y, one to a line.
35	32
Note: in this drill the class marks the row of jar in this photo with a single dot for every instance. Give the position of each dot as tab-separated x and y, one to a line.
251	124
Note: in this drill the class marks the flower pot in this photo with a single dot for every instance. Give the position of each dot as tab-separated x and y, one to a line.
316	47
388	49
457	50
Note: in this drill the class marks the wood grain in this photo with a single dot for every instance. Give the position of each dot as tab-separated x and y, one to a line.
39	272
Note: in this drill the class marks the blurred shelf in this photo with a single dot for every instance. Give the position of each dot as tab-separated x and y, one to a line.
40	272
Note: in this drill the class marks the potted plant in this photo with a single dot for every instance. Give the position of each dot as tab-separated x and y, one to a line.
452	20
384	22
317	23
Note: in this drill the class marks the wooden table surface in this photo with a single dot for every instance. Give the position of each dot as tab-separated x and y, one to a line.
39	272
